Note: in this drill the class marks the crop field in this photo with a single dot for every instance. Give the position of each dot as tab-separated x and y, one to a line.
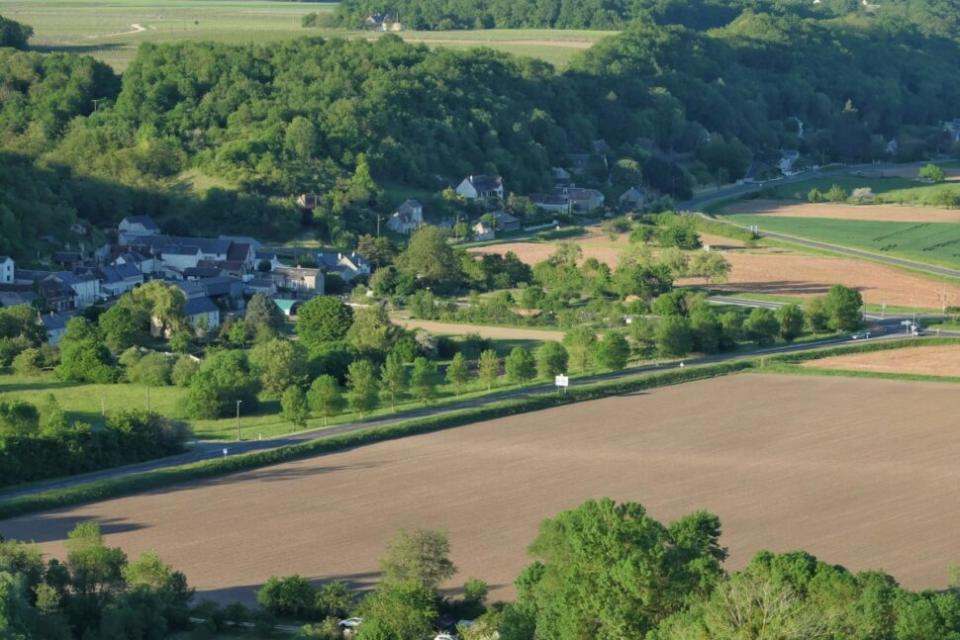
112	30
839	477
926	361
776	271
930	242
862	212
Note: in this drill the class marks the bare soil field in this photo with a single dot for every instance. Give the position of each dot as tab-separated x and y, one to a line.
776	271
873	212
485	331
931	361
785	273
865	476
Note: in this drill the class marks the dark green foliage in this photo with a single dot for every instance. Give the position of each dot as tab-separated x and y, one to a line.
291	596
424	379
609	570
223	379
95	594
59	449
293	406
323	319
520	365
83	355
843	307
613	351
673	336
262	310
552	360
13	34
791	321
761	326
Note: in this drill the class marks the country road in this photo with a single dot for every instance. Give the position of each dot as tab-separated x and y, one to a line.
206	450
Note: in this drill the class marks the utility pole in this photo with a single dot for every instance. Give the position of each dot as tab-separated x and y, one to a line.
239	402
378	225
96	103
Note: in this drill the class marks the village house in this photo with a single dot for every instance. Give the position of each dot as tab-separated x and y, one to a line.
552	202
304	281
481	188
348	267
85	284
407	218
7	267
482	232
202	313
584	200
503	221
117	280
633	199
55	325
133	228
175	259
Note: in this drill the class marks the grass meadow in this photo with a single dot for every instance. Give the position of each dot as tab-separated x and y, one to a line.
930	242
112	30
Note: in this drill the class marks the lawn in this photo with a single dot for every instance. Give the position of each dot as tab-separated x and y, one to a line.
111	30
889	190
929	242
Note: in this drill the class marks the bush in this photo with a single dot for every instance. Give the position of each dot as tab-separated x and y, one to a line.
613	351
552	360
152	370
290	596
183	371
29	362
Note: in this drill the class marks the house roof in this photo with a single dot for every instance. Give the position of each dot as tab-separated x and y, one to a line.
5	258
74	277
202	304
238	252
190	289
260	283
547	198
220	285
145	221
409	207
485	183
265	254
180	250
504	218
32	275
66	256
201	272
119	273
633	193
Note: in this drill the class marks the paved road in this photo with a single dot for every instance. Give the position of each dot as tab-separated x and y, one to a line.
208	450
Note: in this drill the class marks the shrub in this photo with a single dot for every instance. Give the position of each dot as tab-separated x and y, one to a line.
152	370
290	596
552	360
183	371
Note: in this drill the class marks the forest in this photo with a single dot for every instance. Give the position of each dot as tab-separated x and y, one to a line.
929	16
674	106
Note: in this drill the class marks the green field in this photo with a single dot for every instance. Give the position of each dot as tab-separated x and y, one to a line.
111	30
930	242
887	190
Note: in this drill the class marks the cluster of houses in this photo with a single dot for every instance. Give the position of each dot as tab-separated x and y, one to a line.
566	198
216	275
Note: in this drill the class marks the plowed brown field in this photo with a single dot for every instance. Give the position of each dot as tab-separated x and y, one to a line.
858	472
929	361
882	212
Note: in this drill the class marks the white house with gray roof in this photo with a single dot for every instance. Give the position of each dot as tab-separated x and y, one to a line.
7	267
481	188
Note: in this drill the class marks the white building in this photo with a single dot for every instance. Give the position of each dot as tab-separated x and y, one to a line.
407	218
481	188
7	268
482	231
201	312
132	228
117	280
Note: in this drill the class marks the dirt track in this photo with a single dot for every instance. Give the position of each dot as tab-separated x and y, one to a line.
931	361
879	212
865	476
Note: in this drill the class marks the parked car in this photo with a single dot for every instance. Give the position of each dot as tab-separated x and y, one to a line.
350	624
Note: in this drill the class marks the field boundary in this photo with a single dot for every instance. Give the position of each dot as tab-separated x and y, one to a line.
104	489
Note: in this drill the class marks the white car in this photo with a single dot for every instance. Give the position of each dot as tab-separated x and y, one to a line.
350	623
445	636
